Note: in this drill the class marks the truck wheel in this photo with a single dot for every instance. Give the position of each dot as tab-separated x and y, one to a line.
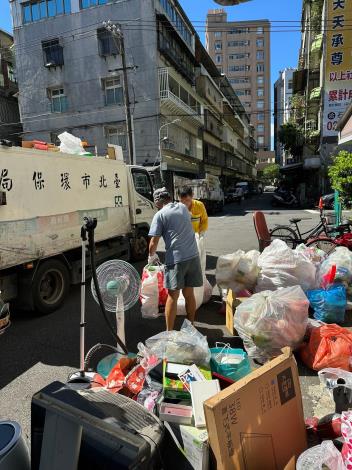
140	246
50	286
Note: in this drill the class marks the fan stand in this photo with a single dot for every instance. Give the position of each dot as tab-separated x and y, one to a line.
120	322
82	379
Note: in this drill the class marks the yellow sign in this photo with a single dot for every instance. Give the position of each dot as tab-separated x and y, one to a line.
338	63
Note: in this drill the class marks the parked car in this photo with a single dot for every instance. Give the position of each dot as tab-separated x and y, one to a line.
269	189
245	188
235	195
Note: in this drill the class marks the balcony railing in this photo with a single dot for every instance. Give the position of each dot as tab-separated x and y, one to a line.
170	96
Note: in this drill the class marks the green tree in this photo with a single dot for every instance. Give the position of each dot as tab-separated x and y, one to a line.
291	137
340	174
271	172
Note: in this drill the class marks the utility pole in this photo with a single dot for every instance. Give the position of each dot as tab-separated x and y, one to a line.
117	35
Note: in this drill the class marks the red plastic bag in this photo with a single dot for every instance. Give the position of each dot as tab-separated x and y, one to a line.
328	346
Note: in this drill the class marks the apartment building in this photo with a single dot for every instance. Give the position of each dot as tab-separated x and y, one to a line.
70	75
10	127
283	91
241	50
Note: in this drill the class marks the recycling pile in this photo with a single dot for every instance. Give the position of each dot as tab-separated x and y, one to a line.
279	288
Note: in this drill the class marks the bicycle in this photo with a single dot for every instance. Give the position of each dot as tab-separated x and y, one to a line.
313	236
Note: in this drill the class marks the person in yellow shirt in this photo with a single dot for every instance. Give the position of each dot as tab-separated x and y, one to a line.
197	209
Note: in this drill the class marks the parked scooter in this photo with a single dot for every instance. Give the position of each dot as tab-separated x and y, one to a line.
284	198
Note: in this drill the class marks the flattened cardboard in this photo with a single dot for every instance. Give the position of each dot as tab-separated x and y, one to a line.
258	423
232	302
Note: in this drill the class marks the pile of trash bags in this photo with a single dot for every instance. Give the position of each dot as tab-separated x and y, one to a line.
283	285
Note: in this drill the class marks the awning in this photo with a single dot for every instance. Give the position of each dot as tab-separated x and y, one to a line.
315	93
317	43
213	170
292	166
179	164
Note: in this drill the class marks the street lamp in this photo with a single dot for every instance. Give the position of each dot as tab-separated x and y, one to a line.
160	140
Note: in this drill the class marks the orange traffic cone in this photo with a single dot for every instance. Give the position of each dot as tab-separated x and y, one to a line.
321	204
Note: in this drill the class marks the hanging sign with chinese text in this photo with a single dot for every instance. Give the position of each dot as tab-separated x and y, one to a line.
338	64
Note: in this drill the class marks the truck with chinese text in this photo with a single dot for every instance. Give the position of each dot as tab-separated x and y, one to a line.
44	197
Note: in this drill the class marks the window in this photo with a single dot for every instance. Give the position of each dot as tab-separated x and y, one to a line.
142	183
11	72
260	80
260	92
260	67
260	117
106	43
37	10
260	141
218	46
238	43
260	104
220	69
218	58
113	90
290	84
243	92
239	68
260	30
260	128
239	31
243	55
260	42
235	81
58	100
217	34
116	136
53	53
260	55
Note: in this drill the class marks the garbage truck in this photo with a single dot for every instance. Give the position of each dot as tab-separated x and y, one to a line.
208	190
44	197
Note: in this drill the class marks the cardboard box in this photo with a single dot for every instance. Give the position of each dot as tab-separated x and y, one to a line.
193	443
258	423
232	302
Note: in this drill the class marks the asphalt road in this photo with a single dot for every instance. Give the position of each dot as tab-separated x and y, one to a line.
38	350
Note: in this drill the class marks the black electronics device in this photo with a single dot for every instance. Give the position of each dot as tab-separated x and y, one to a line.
88	429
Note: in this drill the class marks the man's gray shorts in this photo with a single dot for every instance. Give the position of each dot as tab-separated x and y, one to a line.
185	274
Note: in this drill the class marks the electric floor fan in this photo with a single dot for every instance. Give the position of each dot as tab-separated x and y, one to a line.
120	286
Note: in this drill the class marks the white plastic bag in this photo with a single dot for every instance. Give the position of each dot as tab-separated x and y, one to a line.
342	259
208	291
187	346
150	292
323	456
237	271
269	321
71	144
282	267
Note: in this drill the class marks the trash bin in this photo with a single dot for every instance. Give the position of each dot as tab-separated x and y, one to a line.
13	450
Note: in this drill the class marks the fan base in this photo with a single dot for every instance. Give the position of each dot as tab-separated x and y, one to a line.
79	382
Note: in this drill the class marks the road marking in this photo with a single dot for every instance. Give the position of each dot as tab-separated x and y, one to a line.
311	211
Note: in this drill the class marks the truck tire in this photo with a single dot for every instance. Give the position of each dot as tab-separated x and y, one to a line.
50	286
140	246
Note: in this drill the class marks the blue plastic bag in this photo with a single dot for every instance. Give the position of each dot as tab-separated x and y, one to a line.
234	367
329	305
